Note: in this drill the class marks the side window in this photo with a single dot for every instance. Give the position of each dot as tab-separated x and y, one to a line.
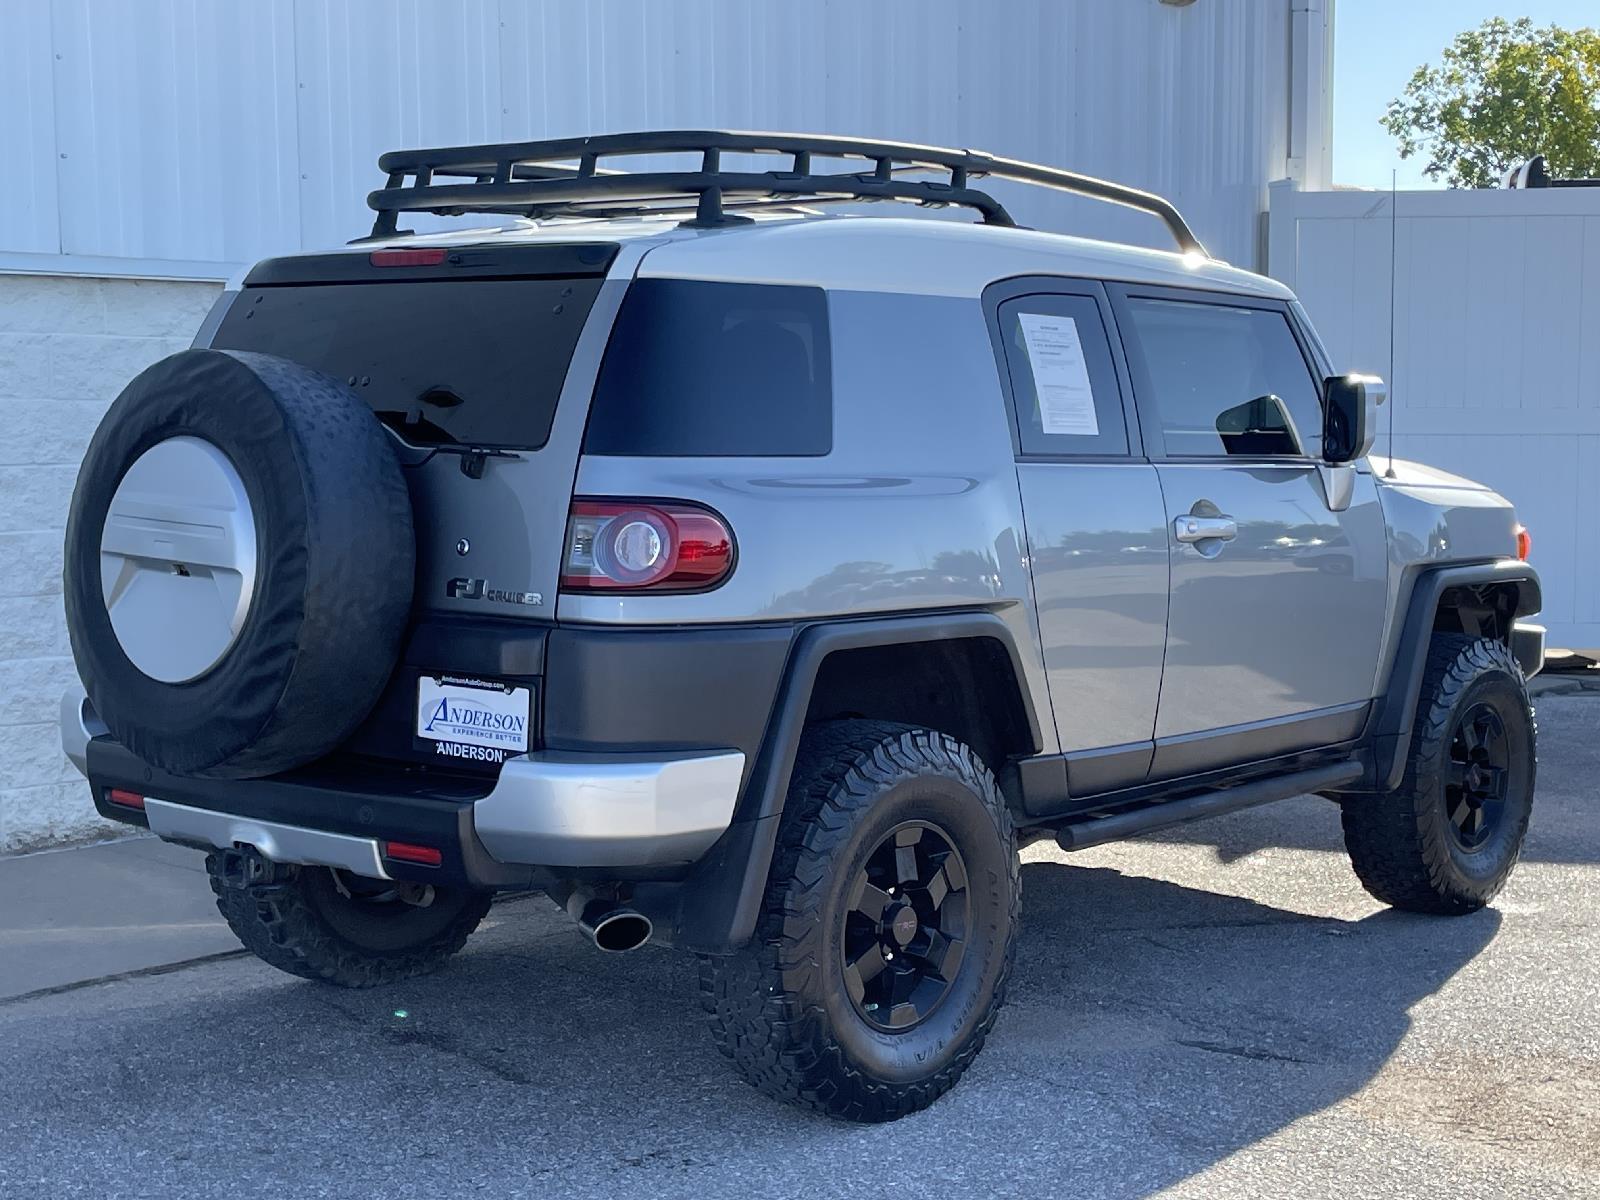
1063	381
698	368
1227	380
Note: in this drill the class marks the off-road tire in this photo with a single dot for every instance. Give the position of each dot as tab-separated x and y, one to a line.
1401	845
779	1008
292	920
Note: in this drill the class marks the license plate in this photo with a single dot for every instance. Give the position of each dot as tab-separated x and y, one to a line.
458	711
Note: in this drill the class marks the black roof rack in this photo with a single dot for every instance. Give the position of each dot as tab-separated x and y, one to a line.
536	179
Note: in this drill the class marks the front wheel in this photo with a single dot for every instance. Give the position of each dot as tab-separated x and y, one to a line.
1447	840
879	962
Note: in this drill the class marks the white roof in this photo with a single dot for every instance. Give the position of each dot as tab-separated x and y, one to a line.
925	256
928	257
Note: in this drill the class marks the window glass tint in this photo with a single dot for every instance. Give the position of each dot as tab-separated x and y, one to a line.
476	362
715	369
1063	381
1226	380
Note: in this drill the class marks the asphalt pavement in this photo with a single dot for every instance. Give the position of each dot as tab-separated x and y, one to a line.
1222	1012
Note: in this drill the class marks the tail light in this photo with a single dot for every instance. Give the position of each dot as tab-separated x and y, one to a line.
667	546
1524	543
125	799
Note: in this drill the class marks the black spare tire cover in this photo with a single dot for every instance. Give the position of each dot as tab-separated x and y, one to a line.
328	569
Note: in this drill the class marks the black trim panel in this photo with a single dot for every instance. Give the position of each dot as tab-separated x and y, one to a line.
671	688
1194	753
719	901
1109	767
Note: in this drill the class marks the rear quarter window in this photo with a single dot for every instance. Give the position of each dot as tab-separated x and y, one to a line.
721	369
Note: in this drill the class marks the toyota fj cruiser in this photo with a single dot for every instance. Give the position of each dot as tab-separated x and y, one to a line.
756	580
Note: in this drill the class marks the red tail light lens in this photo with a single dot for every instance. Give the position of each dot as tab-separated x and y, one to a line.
124	798
660	547
1524	543
407	258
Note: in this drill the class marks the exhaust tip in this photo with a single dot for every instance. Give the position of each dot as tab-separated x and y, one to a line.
621	931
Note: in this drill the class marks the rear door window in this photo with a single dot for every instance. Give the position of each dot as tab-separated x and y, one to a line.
696	368
1063	380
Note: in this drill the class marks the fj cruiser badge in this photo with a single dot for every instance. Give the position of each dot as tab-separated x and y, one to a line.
462	588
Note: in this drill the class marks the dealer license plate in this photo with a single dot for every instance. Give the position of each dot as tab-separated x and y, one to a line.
472	718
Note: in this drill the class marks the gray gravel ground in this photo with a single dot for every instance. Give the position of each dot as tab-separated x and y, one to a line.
1222	1013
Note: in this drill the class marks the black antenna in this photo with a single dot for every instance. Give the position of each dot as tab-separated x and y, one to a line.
1394	220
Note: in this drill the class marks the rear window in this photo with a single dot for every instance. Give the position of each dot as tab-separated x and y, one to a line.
474	362
715	369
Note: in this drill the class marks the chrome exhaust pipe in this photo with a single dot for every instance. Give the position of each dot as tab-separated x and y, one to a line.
611	925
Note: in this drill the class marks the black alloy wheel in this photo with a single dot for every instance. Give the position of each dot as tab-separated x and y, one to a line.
905	932
1477	775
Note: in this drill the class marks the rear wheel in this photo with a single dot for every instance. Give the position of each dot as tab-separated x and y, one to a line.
880	960
1447	840
335	927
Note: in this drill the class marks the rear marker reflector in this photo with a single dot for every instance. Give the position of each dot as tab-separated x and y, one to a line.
407	258
125	799
425	856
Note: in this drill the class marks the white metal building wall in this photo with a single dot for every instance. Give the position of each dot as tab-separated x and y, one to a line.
170	136
1496	371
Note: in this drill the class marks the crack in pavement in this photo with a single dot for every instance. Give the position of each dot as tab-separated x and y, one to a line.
117	977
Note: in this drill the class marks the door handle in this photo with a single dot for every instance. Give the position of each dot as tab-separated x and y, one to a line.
1202	529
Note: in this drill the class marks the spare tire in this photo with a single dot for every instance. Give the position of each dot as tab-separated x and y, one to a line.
239	564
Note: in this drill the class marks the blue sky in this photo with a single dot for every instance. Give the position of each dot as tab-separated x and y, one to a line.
1379	43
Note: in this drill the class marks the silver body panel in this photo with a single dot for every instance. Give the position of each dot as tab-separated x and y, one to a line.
916	507
1433	518
1284	618
1098	547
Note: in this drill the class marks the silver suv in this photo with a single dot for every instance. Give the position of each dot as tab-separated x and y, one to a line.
755	581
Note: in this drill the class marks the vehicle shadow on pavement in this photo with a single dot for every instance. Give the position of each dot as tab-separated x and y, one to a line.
1153	1030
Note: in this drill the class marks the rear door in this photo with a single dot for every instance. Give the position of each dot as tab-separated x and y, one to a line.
1277	600
480	360
1095	527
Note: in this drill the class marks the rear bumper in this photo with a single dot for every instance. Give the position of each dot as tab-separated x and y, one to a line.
547	814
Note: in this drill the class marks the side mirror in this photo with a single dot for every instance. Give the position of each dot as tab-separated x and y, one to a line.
1350	406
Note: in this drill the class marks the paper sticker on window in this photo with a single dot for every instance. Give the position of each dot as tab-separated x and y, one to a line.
1060	375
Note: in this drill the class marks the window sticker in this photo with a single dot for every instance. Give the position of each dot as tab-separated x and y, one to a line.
1060	375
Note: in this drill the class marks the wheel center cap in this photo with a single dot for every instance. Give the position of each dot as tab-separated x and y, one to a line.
904	926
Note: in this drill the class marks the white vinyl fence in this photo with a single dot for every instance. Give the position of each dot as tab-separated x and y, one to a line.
1496	348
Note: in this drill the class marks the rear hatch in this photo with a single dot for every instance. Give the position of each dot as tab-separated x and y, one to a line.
463	352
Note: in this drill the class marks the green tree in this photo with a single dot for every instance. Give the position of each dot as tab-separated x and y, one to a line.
1504	92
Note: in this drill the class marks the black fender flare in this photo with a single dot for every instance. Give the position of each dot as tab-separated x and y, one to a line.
721	898
1389	728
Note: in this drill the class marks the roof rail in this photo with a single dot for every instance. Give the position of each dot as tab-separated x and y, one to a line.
537	179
